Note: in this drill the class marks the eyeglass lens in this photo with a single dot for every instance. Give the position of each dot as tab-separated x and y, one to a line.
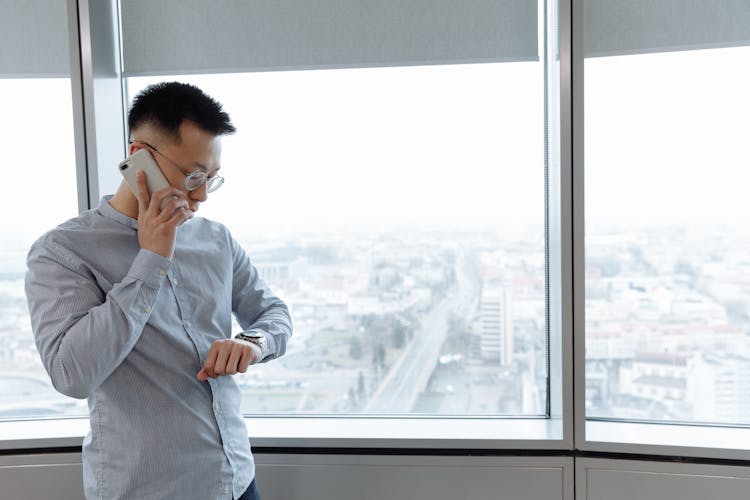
197	179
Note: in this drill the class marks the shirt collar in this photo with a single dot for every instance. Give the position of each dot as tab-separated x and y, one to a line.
108	211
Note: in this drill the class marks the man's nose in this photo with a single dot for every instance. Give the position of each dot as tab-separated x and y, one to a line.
199	194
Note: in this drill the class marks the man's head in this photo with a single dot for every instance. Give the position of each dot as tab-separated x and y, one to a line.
164	106
181	127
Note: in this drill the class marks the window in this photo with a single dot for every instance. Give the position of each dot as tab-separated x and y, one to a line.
667	273
40	192
400	212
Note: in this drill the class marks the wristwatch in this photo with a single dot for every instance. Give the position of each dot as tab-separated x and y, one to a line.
257	338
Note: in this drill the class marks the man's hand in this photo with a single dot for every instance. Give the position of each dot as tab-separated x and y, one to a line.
158	217
227	357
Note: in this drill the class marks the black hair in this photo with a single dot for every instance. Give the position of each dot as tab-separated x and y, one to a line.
165	105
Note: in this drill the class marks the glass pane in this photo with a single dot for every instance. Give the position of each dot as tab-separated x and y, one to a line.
39	158
668	237
400	212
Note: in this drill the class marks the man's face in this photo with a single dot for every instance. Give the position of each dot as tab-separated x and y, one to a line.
197	150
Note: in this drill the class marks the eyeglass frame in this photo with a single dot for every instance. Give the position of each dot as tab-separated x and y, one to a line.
211	183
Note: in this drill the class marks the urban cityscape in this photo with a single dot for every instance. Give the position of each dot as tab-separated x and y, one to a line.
668	325
452	323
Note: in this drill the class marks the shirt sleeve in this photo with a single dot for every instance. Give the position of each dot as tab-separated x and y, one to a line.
83	334
255	306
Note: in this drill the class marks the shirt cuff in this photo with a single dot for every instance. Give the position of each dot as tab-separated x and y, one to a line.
149	267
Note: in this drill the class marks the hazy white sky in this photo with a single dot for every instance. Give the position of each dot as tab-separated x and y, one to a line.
433	145
36	137
667	138
666	143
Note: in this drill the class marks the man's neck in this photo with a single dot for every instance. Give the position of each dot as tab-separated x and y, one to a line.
124	201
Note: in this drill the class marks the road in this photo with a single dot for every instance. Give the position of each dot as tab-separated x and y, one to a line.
408	376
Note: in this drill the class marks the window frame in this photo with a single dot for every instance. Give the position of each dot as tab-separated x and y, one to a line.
99	113
598	435
98	88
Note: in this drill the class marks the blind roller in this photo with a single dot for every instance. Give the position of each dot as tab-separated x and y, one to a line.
33	39
619	27
194	36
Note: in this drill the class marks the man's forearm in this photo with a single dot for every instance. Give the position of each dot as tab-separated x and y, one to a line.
276	323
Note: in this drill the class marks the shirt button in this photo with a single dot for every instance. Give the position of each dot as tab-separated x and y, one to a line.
216	407
174	282
187	324
146	309
162	272
226	491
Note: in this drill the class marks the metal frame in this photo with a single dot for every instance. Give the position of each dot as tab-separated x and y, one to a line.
99	120
576	89
626	437
79	124
96	81
561	345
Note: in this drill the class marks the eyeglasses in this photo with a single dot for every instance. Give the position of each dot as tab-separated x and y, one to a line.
195	179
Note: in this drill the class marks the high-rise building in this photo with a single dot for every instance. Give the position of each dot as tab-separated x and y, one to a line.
495	326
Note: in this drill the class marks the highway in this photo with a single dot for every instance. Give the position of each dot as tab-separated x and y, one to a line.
408	376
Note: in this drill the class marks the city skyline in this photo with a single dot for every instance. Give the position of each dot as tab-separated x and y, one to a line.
387	310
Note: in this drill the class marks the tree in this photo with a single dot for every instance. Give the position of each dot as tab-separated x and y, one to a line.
398	335
378	355
361	388
355	347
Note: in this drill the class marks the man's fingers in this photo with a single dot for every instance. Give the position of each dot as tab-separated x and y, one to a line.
143	196
234	359
245	360
208	365
220	365
163	198
226	357
181	215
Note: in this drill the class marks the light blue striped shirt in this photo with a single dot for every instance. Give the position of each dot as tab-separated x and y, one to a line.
129	330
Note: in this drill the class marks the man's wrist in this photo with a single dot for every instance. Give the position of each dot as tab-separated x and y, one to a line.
259	339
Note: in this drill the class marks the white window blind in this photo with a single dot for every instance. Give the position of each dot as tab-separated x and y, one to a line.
620	27
33	39
201	36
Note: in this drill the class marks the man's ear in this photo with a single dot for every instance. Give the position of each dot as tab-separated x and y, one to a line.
133	147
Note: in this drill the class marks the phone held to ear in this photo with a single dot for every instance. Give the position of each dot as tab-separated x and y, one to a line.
142	160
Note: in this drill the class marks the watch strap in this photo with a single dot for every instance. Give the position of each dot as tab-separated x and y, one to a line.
257	338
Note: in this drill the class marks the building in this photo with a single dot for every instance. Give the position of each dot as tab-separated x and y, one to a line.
494	326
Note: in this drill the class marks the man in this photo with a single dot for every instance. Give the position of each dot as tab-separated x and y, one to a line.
131	307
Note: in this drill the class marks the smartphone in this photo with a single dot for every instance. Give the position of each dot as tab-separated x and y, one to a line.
142	160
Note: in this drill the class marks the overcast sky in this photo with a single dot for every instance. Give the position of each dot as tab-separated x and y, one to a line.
442	146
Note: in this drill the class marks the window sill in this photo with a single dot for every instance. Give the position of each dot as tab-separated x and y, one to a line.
668	439
431	433
415	432
330	432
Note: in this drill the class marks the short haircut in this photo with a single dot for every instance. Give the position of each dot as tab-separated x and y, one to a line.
165	105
